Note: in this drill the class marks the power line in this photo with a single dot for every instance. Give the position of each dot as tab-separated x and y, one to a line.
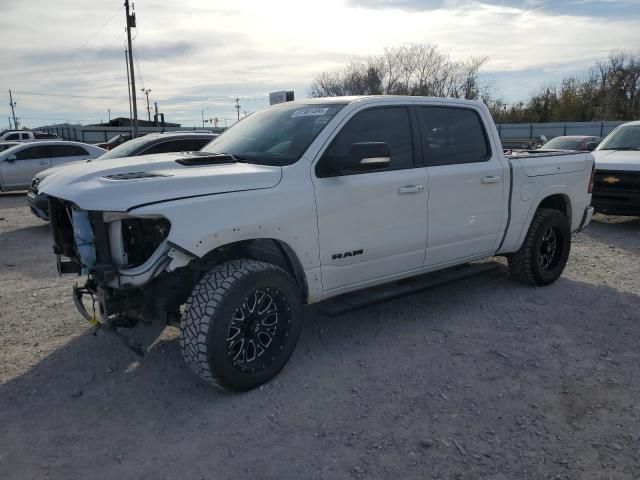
95	55
57	67
135	57
97	31
45	94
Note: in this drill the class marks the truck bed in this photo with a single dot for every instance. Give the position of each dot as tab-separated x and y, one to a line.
536	174
511	153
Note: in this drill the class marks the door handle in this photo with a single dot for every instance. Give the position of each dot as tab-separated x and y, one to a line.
491	179
411	189
44	163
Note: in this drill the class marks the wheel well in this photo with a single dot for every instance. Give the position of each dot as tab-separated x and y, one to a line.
264	249
558	202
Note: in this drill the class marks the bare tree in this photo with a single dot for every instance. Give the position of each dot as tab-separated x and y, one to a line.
413	69
608	91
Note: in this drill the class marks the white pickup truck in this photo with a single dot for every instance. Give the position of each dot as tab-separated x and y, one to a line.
616	188
301	202
25	136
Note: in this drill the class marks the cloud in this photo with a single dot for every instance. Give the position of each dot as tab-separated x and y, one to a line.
591	8
199	53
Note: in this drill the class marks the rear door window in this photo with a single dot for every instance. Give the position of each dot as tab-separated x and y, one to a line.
13	136
452	136
68	151
35	152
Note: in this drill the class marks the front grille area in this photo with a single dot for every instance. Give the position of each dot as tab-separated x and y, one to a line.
616	192
34	185
617	181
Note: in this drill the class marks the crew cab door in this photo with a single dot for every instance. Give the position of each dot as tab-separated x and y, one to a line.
17	173
68	153
372	223
468	185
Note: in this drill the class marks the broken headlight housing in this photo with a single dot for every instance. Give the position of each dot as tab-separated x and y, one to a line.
134	238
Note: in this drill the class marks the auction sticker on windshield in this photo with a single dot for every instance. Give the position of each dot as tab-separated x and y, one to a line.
310	112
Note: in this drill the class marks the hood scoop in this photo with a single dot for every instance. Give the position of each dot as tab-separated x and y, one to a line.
202	158
135	175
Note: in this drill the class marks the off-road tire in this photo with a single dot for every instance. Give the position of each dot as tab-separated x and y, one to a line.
525	264
213	306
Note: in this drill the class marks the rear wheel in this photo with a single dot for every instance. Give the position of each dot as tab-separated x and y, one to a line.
545	250
241	324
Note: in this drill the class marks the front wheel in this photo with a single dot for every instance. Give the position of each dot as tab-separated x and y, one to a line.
241	324
545	250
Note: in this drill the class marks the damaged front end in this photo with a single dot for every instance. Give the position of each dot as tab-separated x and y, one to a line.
133	273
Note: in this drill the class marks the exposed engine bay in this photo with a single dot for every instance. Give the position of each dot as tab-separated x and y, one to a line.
124	258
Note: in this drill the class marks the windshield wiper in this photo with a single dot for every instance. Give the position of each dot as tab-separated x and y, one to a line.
622	148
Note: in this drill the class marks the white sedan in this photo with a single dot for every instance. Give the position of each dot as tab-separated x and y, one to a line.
19	164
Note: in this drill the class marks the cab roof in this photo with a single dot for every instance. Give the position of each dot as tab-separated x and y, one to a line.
376	98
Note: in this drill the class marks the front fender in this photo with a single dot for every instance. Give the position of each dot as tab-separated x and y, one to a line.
203	224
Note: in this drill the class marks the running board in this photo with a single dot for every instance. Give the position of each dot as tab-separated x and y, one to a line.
355	301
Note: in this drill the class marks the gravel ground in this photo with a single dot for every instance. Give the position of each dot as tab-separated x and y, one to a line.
483	378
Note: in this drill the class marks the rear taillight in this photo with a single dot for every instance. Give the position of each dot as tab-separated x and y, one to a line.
591	180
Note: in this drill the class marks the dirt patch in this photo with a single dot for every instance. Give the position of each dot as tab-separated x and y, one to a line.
484	378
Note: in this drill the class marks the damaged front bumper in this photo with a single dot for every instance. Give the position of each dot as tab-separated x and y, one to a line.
122	256
108	326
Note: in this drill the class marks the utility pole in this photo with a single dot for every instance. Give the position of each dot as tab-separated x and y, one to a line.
202	113
126	62
131	23
147	92
12	104
155	105
238	107
109	110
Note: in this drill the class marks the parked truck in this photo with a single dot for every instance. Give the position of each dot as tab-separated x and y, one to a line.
297	204
617	178
25	136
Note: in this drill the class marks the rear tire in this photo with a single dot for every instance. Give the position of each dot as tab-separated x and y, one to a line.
241	324
545	250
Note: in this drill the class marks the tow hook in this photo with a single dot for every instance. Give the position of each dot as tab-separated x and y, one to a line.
106	326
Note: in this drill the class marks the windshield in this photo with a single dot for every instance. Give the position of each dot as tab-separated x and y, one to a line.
625	137
276	136
560	143
126	149
6	146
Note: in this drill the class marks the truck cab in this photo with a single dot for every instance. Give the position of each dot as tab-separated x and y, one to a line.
17	136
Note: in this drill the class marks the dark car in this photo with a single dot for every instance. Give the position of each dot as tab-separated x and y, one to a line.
116	141
45	136
581	143
147	145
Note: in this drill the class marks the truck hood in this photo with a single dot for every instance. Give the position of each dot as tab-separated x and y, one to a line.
624	160
50	171
122	184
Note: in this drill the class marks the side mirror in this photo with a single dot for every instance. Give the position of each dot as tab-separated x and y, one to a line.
362	157
11	158
591	146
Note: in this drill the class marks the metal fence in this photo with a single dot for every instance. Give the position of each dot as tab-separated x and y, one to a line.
550	130
87	134
507	130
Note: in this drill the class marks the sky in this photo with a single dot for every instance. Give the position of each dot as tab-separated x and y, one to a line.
67	62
